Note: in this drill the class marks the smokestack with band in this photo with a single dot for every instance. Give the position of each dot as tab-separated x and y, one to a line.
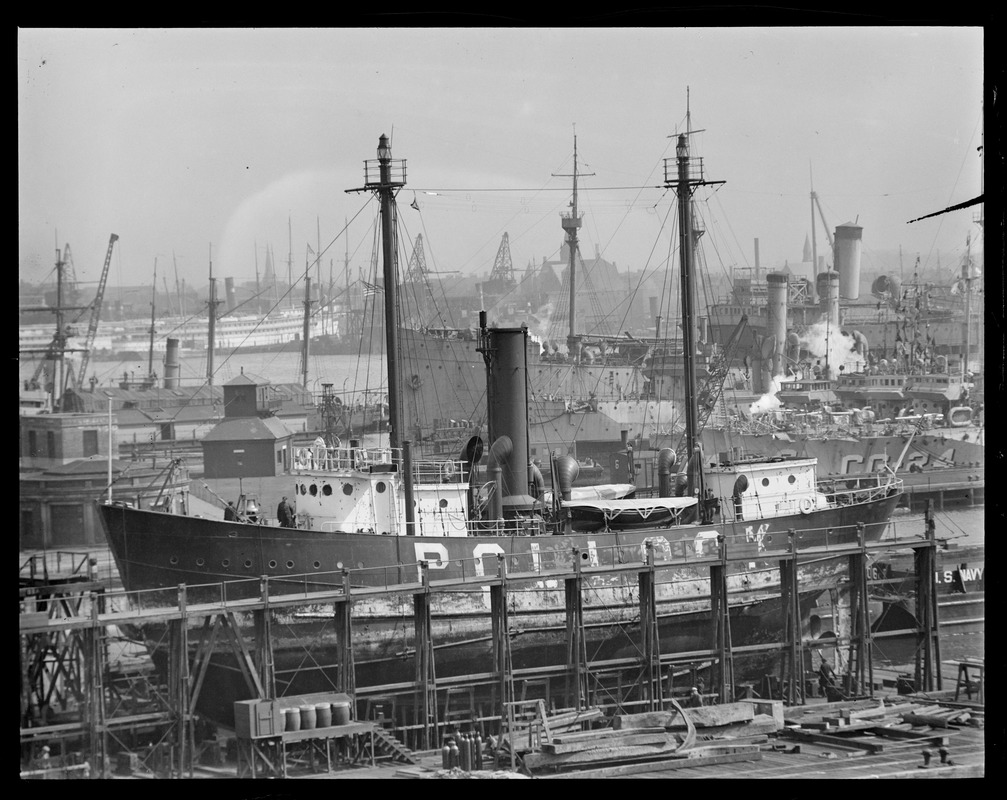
776	286
229	293
848	247
171	365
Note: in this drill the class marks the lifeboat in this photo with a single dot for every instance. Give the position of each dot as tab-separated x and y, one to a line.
960	416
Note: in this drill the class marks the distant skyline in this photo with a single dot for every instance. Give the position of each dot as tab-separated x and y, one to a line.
203	144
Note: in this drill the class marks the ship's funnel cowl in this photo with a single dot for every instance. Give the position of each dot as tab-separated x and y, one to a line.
500	451
666	460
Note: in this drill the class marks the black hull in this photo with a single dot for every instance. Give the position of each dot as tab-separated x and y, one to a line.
154	550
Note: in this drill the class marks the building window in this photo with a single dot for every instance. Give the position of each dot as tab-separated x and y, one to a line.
50	443
32	443
90	443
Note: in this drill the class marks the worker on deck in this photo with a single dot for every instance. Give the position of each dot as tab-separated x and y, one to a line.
695	698
285	514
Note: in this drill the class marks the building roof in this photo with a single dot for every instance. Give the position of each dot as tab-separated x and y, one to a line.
248	428
247	379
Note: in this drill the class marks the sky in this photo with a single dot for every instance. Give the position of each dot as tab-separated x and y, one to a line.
215	145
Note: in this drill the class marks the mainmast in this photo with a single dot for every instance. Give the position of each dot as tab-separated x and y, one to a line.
390	176
307	323
571	222
688	177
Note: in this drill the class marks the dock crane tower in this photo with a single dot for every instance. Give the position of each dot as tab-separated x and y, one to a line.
92	325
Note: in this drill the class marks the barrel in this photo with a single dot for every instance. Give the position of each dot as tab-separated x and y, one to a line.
292	719
308	718
323	715
340	713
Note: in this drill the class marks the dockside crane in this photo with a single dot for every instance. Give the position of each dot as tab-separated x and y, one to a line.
92	325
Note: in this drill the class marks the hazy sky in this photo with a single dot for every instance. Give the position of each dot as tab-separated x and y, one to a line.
192	144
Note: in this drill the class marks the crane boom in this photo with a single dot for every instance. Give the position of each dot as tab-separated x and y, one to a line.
828	234
92	326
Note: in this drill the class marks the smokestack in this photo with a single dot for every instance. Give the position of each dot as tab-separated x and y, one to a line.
756	259
171	365
828	296
229	293
508	404
848	247
776	288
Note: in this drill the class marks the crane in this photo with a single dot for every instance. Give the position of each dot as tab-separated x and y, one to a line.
92	326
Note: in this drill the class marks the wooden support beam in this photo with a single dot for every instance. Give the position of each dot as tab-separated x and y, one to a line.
576	644
653	685
426	674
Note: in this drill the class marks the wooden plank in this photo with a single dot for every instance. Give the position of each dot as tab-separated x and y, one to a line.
601	733
626	740
833	741
646	719
654	766
539	760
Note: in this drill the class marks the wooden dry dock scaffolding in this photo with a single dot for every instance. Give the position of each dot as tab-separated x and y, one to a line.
63	629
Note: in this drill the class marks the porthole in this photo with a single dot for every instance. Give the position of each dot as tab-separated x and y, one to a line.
290	565
791	479
225	563
765	481
173	560
314	490
339	565
443	503
317	565
326	490
360	565
272	565
303	490
347	489
200	562
248	563
380	487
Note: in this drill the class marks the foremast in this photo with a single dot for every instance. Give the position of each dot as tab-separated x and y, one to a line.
571	223
687	175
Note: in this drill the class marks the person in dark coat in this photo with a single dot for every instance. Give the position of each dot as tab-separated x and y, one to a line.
285	514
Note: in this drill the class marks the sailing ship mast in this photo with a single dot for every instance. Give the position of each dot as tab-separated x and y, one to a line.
153	317
688	175
571	222
211	324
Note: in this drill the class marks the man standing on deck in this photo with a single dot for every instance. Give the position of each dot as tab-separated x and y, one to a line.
285	514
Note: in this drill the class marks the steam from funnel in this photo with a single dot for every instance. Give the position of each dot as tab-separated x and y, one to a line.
769	401
834	348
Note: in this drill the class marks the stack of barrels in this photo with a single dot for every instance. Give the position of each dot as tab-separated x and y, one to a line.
315	716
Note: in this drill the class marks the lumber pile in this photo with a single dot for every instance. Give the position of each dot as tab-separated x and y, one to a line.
867	727
632	743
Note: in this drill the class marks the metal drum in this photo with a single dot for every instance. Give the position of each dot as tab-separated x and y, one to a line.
340	713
